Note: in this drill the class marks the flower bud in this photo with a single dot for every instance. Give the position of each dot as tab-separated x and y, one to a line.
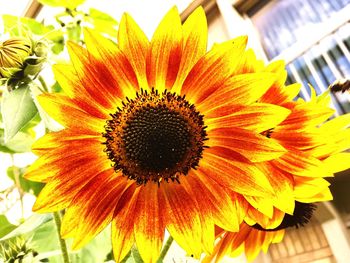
13	53
20	58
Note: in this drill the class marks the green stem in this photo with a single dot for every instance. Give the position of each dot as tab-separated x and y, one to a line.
165	249
18	185
43	83
63	244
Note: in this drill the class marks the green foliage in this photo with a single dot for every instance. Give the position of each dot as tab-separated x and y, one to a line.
3	147
102	22
17	26
26	185
133	256
33	65
56	87
20	143
18	250
74	32
96	250
44	240
28	226
57	41
50	124
5	226
17	109
41	230
70	4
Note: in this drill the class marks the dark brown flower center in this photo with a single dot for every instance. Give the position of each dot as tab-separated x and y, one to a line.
301	216
155	137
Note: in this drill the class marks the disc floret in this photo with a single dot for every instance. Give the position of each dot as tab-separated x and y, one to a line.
155	137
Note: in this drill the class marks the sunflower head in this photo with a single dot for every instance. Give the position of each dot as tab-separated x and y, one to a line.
155	137
20	58
163	134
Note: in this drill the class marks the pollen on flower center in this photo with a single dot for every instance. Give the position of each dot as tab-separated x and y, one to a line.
155	137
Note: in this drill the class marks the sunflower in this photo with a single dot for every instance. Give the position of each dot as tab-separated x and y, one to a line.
138	117
315	149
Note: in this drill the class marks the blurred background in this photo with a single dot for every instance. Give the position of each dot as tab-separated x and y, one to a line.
312	36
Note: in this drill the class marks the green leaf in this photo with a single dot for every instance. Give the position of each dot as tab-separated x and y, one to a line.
99	15
14	24
57	41
20	143
28	226
33	65
23	140
96	250
50	123
3	147
41	230
17	109
44	238
26	185
29	127
128	258
56	87
71	4
136	255
74	32
103	22
5	226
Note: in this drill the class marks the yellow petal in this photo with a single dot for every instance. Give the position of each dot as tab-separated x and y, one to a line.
305	115
182	218
336	124
195	35
123	223
262	205
323	196
242	177
149	233
165	54
135	46
338	162
111	66
301	164
100	197
258	117
255	147
307	188
239	89
64	111
70	82
212	70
